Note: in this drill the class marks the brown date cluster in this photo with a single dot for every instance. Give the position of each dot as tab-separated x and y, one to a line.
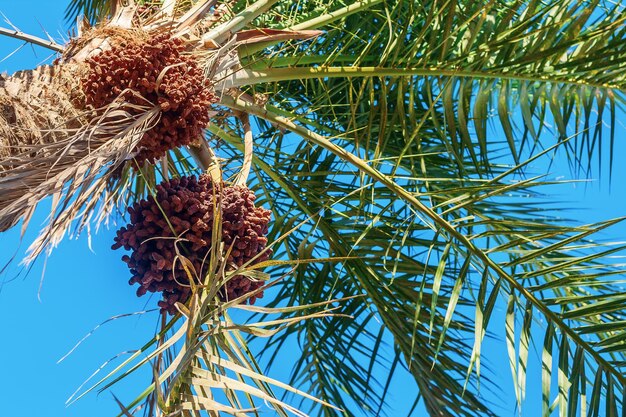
157	71
179	219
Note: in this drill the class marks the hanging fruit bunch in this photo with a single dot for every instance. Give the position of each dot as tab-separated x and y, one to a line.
173	229
153	69
179	220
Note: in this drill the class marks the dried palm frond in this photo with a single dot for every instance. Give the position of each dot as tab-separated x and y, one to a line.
201	351
78	185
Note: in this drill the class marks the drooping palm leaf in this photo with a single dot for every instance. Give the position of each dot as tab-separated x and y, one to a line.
477	62
524	226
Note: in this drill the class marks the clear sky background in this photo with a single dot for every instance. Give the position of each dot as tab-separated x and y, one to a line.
43	320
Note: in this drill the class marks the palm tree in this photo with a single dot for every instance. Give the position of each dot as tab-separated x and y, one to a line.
393	143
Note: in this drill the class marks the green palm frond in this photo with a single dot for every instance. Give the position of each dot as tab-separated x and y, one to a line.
462	66
298	177
93	10
343	225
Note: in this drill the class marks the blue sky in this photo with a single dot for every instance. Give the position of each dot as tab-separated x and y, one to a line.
82	287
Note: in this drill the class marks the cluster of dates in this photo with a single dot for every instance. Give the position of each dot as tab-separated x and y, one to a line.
156	71
178	221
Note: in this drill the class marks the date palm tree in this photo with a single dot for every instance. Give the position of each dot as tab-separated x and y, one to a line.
394	143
